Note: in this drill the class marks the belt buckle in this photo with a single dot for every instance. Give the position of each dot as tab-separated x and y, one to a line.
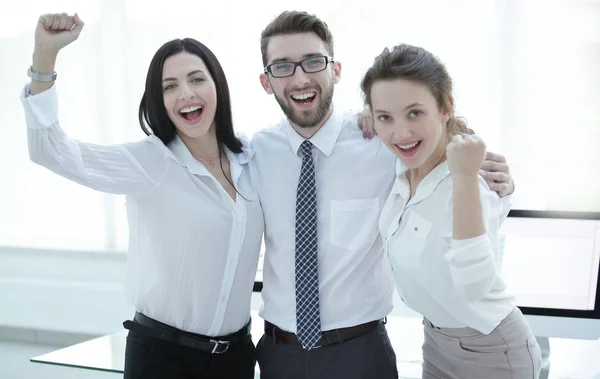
216	349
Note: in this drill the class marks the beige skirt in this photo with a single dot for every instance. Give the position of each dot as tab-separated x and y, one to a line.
509	352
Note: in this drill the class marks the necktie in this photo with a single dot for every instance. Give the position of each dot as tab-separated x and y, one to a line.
308	319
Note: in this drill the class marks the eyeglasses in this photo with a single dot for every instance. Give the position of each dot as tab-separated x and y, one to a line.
309	66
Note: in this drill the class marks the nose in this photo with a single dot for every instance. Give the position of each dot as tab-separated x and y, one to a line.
185	92
300	78
401	132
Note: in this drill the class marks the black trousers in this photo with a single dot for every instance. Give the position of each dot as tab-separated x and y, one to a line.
151	358
369	356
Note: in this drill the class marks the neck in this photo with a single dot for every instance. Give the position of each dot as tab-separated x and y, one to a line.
203	147
416	175
311	131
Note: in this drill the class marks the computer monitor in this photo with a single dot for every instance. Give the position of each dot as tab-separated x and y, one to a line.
551	262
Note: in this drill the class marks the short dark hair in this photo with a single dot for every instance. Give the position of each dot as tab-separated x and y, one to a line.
419	65
292	22
153	116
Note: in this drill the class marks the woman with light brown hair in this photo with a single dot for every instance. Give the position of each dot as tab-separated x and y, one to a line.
440	225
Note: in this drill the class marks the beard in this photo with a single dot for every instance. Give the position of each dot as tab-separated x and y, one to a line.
311	117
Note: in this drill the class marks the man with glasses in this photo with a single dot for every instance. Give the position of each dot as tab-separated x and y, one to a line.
321	185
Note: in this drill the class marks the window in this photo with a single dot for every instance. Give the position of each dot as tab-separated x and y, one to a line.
525	76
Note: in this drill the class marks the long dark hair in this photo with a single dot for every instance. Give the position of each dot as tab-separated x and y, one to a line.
419	65
153	116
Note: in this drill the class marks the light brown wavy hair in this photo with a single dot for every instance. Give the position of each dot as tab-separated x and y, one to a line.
418	65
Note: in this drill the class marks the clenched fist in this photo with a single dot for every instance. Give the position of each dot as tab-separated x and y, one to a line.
55	31
465	154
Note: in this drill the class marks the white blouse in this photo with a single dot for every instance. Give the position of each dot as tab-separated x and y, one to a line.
452	283
193	250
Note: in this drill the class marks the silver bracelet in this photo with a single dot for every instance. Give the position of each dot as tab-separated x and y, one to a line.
45	78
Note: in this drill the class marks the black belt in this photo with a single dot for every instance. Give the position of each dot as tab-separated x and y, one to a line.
431	324
214	345
327	337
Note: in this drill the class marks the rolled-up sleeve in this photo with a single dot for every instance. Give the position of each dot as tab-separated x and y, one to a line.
473	264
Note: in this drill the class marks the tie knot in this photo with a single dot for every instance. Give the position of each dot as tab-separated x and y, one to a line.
306	148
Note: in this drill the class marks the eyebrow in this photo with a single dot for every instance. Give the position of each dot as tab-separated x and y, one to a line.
412	105
286	59
192	73
405	108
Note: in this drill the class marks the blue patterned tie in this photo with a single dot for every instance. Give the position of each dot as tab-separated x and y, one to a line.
308	319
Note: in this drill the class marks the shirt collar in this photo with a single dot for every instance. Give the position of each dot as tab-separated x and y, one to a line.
426	187
181	154
247	152
324	139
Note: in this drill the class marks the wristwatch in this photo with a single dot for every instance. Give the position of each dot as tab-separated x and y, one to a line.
46	78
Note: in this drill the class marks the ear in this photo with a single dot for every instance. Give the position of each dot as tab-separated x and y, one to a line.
445	117
337	71
448	112
266	84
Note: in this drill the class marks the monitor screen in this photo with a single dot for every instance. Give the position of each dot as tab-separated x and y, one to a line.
551	262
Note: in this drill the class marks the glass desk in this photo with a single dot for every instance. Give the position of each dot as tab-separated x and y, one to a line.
570	359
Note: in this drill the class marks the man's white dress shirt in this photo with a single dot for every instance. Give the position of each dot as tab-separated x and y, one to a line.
353	178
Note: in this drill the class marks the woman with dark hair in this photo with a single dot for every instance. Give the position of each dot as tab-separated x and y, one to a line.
440	225
194	218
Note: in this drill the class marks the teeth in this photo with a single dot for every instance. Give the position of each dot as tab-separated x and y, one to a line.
304	96
406	147
190	109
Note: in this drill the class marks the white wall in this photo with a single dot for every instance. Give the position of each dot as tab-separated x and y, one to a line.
62	291
66	291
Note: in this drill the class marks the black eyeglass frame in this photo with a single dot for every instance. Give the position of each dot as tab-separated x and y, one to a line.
268	70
